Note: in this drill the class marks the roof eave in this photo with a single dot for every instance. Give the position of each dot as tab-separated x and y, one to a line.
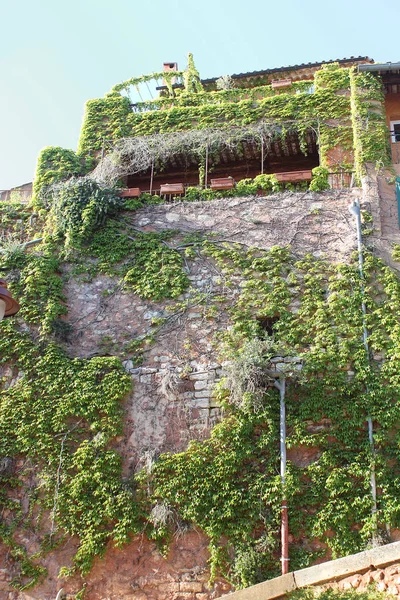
380	67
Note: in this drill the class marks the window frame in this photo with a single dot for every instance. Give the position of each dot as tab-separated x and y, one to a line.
392	132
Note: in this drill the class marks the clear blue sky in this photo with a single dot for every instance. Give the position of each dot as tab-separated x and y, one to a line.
55	55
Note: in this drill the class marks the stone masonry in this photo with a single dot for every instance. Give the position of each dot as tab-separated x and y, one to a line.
172	399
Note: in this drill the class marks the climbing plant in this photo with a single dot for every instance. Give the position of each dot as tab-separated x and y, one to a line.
59	416
81	206
325	110
54	164
236	504
371	142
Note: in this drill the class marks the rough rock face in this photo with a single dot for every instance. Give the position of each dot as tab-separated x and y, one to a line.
386	580
310	222
172	399
136	572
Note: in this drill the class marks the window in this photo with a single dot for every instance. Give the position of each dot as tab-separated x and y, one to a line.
395	131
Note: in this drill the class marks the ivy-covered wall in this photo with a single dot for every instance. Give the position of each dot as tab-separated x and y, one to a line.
371	141
62	417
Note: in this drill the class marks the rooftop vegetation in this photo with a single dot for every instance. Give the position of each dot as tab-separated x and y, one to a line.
342	112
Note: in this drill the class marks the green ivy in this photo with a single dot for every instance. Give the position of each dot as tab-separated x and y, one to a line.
54	164
105	120
371	141
335	594
80	207
319	181
228	485
157	271
111	118
61	416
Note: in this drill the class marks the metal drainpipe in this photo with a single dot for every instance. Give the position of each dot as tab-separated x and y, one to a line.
281	385
355	210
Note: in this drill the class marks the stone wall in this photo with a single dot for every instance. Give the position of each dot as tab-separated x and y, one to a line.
172	399
308	222
385	580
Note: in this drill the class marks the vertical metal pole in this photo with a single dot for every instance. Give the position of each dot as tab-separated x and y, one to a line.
355	209
398	199
262	155
206	168
284	510
151	176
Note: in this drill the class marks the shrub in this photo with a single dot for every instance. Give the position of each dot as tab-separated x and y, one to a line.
246	187
267	183
319	181
82	206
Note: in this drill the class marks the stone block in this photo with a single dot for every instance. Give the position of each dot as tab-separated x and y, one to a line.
393	590
214	404
203	394
201	403
384	555
214	365
172	586
356	580
190	586
200	385
381	586
393	570
378	575
151	314
172	217
199	376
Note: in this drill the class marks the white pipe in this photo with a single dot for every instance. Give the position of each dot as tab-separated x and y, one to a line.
282	429
281	385
355	210
2	309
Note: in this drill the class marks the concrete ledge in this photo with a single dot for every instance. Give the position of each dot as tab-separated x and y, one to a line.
384	555
332	570
273	588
